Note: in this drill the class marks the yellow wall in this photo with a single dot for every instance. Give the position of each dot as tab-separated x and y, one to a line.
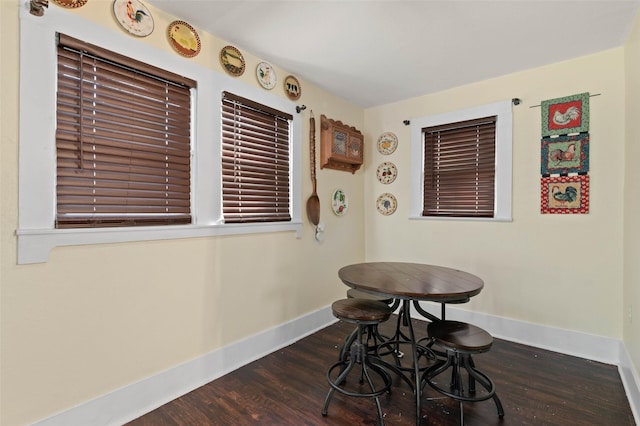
96	318
631	293
563	271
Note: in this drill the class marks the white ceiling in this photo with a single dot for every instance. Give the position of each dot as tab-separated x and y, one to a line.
376	52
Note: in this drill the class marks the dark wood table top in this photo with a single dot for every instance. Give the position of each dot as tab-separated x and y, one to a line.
414	281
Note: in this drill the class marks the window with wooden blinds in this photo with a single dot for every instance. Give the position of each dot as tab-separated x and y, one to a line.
123	140
459	169
256	183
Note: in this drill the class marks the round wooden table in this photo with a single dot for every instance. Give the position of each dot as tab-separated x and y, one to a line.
413	282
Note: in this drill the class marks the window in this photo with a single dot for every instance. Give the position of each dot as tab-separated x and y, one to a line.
123	140
39	227
459	168
461	164
255	162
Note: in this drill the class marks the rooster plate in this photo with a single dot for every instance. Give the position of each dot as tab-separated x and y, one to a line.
134	17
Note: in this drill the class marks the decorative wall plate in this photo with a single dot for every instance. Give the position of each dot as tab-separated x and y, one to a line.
387	143
71	3
232	61
134	17
292	87
386	172
386	204
339	202
184	38
266	75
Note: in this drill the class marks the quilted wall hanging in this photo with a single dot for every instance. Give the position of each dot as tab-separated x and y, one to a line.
564	155
566	115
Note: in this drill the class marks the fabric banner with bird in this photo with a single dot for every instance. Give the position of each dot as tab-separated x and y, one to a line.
565	154
564	194
562	116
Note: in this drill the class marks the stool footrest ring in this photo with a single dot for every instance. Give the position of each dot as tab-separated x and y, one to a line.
457	392
335	384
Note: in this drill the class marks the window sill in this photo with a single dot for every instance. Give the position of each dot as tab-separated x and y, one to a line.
34	245
463	219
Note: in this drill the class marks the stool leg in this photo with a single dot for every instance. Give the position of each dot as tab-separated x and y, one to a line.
457	386
434	370
373	389
347	345
456	381
347	367
469	364
498	405
358	353
486	383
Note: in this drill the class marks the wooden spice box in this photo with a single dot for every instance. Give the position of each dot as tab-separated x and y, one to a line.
341	146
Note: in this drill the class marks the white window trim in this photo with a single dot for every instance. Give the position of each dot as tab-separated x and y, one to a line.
37	175
504	167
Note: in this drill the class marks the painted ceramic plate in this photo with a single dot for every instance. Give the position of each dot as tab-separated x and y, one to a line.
387	172
134	17
292	87
71	3
387	143
232	61
386	204
339	202
266	75
184	38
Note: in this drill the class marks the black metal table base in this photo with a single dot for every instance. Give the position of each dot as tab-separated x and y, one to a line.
418	352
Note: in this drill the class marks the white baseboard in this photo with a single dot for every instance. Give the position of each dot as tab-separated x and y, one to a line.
574	343
132	401
630	381
583	345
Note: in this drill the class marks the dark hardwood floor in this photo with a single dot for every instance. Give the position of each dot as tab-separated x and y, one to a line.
288	387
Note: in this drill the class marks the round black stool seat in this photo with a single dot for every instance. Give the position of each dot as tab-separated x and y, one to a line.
361	310
461	340
364	313
460	336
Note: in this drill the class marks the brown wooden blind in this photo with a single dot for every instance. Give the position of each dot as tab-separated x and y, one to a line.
123	140
459	169
255	162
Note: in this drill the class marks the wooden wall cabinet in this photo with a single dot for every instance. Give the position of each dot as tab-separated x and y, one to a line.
341	146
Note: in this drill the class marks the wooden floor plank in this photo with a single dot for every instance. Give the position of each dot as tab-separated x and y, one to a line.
288	387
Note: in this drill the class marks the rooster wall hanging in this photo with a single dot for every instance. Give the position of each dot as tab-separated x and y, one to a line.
566	115
564	155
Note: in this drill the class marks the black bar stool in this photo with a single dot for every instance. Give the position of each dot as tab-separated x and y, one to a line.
373	337
364	313
460	340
